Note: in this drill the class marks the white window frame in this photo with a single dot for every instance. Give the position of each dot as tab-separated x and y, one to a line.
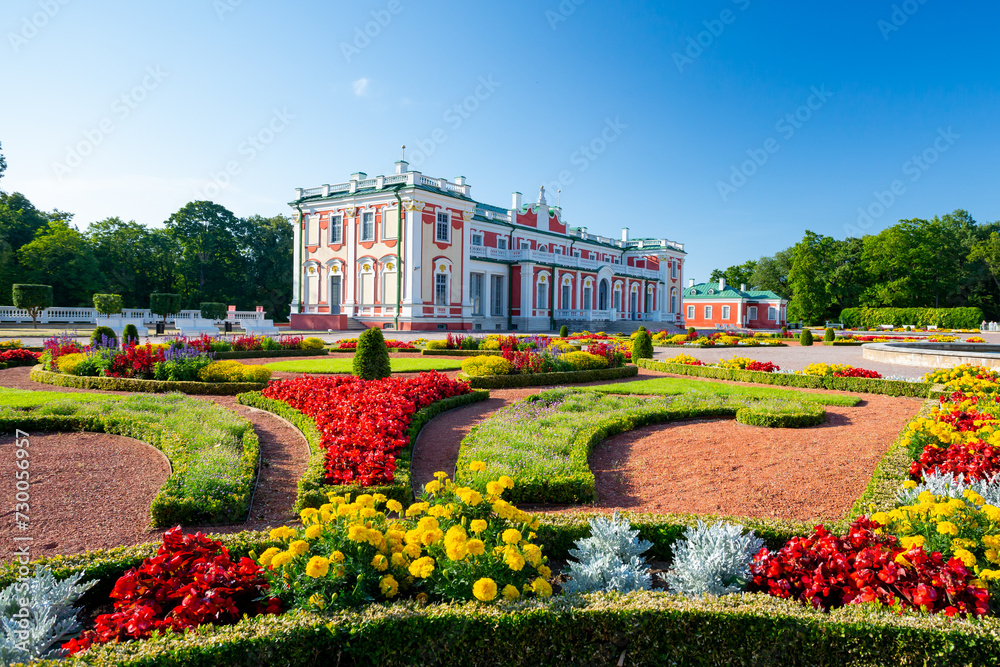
445	217
441	299
725	312
473	297
588	297
496	295
772	313
501	243
708	312
477	239
525	245
364	237
542	297
690	312
751	312
557	250
673	269
336	223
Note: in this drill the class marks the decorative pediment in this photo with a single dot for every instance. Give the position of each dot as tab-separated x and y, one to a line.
467	216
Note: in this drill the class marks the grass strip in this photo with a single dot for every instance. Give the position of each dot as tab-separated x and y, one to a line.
675	386
336	365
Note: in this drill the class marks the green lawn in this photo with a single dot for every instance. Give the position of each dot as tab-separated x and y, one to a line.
399	365
675	386
23	398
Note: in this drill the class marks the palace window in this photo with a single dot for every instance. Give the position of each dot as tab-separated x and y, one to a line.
336	230
772	313
477	239
543	295
476	292
496	295
442	230
725	312
368	226
708	312
501	243
752	313
690	313
441	289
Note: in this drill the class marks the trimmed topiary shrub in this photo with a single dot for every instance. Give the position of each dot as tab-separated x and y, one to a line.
101	333
130	335
312	343
32	298
806	338
371	360
213	310
642	345
563	331
486	366
692	331
164	303
438	345
108	304
585	361
829	334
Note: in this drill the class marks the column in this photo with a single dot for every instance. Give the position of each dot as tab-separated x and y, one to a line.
296	261
351	264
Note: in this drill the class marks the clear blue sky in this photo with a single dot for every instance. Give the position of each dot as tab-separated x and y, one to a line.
182	85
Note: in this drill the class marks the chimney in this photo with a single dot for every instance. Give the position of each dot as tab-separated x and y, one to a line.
743	287
624	234
402	166
460	180
516	201
690	282
359	176
722	284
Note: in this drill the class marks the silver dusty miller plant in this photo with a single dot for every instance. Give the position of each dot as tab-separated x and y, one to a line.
49	611
609	560
713	559
943	484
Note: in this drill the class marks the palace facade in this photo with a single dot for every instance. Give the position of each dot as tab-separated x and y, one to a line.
411	252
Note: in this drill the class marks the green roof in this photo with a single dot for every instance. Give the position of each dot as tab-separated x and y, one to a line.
712	291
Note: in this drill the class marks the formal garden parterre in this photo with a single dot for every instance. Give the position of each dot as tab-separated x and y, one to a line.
906	576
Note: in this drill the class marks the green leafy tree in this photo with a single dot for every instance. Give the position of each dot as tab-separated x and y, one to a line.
806	337
771	273
214	246
806	278
371	359
987	251
3	162
32	298
135	259
61	256
740	274
108	304
269	265
164	304
19	222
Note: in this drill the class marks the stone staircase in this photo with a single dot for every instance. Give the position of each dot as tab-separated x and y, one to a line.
619	326
354	324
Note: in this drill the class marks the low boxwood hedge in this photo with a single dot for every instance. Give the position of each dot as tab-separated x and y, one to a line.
844	343
812	414
266	354
720	346
312	489
860	385
136	384
546	379
171	505
462	353
644	628
392	351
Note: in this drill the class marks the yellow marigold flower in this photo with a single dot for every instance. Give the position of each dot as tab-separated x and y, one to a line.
265	558
357	533
494	488
432	536
989	575
317	600
910	541
476	547
379	498
544	571
337	557
477	466
991	555
308	514
367	513
510	592
473	498
281	559
485	589
317	567
398	560
511	536
380	562
542	587
416	509
412	551
314	531
973	497
992	541
422	567
440	511
299	547
514	560
388	586
944	509
967	557
428	523
992	513
947	528
456	550
926	497
506	481
365	500
881	518
394	506
456	533
432	487
477	525
281	533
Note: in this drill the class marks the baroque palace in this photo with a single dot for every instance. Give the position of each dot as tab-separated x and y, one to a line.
411	252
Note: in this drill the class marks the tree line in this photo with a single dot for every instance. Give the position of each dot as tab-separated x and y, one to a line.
203	252
945	262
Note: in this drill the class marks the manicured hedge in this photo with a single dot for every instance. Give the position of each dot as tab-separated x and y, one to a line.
312	490
545	379
461	353
843	343
392	351
709	347
813	414
14	363
645	628
170	506
262	354
135	384
861	385
946	318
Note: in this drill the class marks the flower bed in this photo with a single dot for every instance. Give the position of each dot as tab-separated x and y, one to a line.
351	345
18	357
547	379
718	339
548	364
863	385
149	386
543	442
213	453
360	431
